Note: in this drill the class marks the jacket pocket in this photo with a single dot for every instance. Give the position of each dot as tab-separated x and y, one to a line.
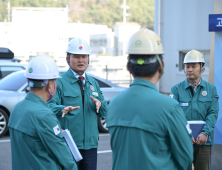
184	100
203	106
71	99
69	94
185	103
205	99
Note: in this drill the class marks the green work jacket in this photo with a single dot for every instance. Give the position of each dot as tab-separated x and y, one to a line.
202	105
148	130
82	123
36	141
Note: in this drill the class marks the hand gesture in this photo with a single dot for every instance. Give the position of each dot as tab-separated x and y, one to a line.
97	103
68	109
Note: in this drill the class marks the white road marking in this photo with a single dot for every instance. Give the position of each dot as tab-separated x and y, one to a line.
4	141
104	134
9	139
106	151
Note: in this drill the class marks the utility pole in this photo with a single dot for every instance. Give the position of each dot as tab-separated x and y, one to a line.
124	25
8	10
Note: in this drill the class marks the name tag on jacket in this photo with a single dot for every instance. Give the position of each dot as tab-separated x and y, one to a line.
184	104
95	94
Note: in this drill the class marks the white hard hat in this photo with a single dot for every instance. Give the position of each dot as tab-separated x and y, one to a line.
42	68
144	41
78	46
193	56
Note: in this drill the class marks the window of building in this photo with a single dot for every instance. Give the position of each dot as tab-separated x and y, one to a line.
116	45
98	42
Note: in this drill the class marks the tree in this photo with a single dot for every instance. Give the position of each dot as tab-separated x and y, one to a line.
108	11
93	11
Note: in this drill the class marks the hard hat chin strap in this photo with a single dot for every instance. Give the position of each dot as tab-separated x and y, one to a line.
201	69
161	65
51	94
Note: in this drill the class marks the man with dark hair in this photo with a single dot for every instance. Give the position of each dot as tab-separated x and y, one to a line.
143	69
148	130
76	88
35	132
199	101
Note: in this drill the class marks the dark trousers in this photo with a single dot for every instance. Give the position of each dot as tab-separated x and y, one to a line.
89	161
201	157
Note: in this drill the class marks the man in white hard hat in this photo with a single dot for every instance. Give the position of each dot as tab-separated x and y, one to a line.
76	88
199	100
148	130
35	132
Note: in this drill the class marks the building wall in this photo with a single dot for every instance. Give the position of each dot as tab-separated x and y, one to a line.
36	31
122	34
183	26
102	43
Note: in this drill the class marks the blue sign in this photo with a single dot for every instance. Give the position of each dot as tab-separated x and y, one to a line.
215	23
218	84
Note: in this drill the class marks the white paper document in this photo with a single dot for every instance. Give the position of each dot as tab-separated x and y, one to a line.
72	145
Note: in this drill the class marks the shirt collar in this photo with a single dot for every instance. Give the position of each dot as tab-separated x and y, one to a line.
77	75
195	87
187	84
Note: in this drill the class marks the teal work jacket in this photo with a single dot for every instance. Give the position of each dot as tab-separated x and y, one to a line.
82	122
36	141
148	130
202	105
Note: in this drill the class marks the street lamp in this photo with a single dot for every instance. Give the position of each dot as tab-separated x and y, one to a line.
124	23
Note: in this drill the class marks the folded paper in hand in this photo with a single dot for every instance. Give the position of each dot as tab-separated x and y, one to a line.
196	127
72	145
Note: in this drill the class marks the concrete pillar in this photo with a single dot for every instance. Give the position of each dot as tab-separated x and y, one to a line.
216	78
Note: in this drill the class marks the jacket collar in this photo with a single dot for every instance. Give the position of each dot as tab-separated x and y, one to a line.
187	84
142	82
73	79
33	97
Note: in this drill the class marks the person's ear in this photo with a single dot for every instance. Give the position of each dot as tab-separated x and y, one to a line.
203	69
128	68
160	69
67	59
163	63
51	86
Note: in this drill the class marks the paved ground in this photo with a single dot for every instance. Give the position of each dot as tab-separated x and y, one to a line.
104	153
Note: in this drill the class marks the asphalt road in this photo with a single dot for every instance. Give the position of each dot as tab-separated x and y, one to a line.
104	161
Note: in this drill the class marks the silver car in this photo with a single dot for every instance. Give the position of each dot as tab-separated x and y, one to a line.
14	87
7	67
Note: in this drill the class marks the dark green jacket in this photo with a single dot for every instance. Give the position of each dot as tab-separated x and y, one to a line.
82	123
148	130
36	141
203	105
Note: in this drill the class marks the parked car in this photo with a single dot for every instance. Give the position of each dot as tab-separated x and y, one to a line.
7	67
14	87
6	55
